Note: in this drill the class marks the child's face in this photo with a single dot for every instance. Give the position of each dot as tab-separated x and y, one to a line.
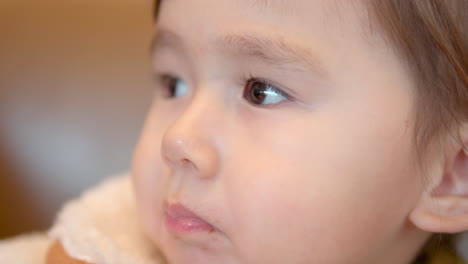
314	168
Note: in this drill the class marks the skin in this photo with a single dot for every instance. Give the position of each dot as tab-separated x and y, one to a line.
324	176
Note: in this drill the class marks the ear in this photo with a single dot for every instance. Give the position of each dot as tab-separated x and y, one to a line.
443	207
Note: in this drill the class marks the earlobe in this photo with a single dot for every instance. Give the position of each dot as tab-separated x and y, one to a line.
443	208
451	216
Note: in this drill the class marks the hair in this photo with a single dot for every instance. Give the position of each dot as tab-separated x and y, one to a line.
431	35
156	5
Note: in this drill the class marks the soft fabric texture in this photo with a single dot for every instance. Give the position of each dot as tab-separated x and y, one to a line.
102	227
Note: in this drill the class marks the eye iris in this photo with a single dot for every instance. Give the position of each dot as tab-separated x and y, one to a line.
257	92
172	85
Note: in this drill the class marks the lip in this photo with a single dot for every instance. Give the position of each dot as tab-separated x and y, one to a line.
180	220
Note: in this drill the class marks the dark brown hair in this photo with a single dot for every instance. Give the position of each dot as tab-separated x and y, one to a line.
431	36
157	4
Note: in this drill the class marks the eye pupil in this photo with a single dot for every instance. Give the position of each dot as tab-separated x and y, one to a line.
172	85
258	93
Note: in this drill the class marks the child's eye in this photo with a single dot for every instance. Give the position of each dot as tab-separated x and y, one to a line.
259	92
174	87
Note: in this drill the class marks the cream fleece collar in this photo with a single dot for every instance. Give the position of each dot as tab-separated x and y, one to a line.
102	226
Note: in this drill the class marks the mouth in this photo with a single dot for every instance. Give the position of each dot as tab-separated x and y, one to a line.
180	220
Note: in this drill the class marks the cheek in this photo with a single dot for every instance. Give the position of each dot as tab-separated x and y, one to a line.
335	189
147	173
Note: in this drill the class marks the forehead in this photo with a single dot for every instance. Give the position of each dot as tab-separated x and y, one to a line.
350	17
339	10
316	23
265	5
283	5
288	6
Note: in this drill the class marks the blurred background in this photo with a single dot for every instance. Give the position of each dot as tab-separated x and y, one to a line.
74	88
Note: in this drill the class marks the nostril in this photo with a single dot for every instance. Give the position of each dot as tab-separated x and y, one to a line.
186	163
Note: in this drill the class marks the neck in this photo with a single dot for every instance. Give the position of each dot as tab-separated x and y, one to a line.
406	247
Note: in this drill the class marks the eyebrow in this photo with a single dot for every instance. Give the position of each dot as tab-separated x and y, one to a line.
164	39
272	50
266	48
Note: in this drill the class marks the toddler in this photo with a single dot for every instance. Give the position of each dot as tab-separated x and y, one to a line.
302	131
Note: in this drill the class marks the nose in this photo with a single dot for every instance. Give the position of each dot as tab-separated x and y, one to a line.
189	143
